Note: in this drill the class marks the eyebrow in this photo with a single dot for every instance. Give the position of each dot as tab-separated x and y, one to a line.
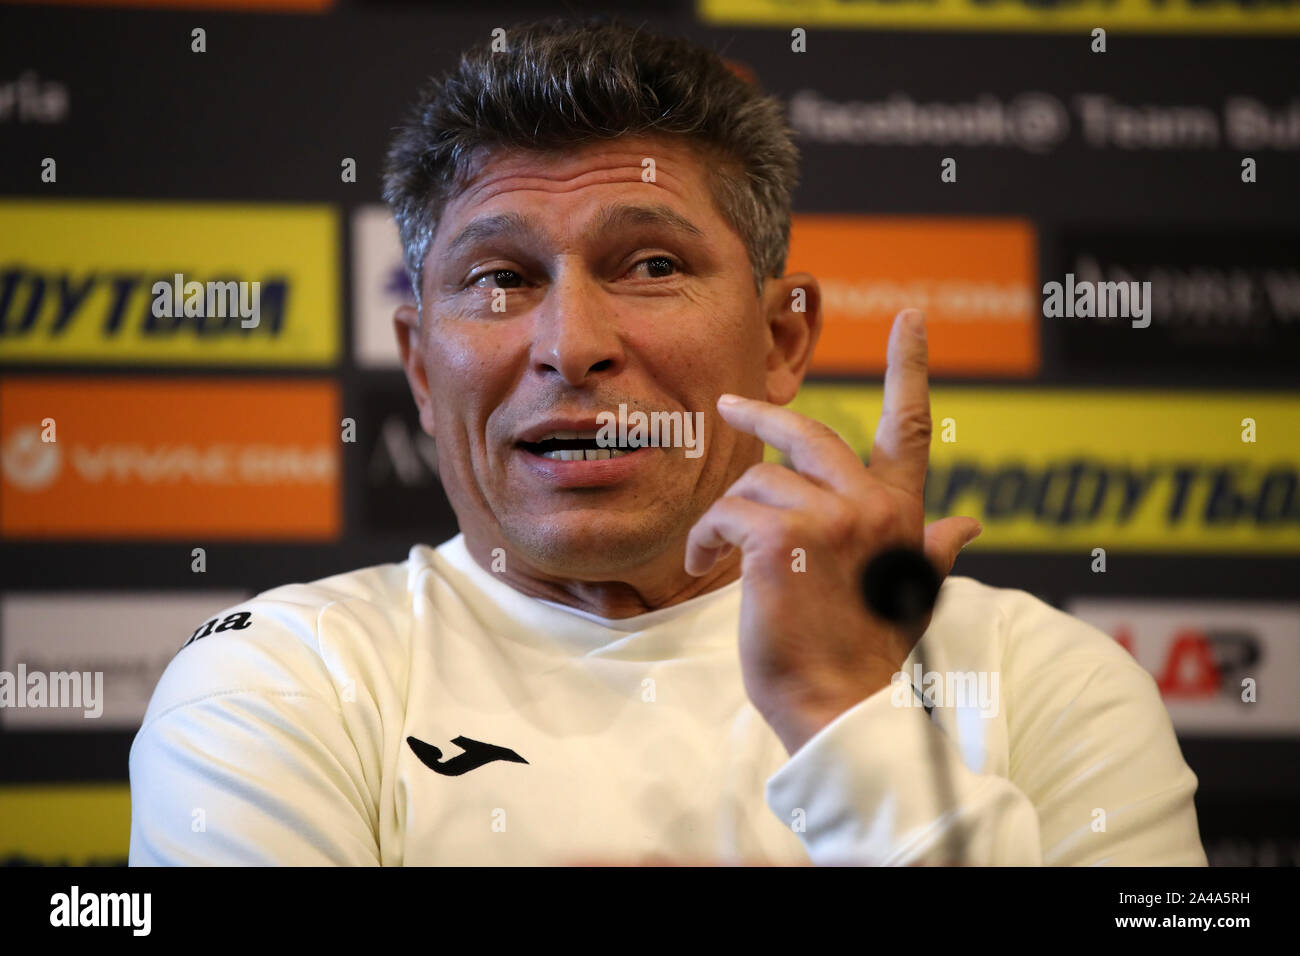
623	215
614	217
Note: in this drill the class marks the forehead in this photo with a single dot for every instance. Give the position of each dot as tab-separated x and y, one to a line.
585	173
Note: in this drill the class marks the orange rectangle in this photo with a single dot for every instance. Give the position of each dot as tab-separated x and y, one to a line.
976	280
169	459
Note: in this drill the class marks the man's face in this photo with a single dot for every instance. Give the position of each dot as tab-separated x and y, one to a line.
615	291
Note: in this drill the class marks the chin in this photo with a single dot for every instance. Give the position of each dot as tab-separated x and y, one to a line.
580	547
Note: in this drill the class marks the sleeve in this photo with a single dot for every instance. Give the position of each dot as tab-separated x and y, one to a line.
244	758
1095	777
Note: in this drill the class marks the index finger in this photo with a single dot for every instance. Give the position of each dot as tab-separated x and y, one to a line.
901	449
813	448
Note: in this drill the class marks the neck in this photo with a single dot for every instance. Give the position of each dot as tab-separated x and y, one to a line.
658	583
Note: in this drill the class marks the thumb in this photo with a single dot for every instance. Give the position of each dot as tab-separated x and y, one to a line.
946	537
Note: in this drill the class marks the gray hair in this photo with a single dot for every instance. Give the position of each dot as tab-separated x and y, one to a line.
563	83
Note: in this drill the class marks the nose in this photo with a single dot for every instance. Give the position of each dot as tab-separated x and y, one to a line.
575	334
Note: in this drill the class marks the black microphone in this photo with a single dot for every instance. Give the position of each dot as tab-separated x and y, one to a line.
901	586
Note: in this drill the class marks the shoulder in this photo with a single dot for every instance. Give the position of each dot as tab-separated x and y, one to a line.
302	639
1052	663
1028	629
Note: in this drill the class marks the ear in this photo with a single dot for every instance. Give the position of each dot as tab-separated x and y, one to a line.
793	307
406	323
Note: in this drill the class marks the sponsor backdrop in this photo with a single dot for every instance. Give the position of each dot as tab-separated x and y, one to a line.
1138	470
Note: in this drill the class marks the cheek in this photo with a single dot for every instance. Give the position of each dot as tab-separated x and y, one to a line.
710	335
466	365
456	352
467	371
724	354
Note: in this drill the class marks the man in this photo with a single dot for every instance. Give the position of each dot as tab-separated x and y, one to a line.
632	651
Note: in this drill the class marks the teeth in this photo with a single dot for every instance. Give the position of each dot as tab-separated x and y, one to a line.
570	434
590	454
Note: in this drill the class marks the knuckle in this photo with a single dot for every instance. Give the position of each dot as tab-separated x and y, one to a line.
914	423
820	431
761	473
916	361
839	523
882	519
753	477
780	529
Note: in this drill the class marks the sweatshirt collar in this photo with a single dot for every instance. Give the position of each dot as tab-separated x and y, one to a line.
707	621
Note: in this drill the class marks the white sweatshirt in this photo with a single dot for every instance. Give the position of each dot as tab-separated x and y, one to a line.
288	733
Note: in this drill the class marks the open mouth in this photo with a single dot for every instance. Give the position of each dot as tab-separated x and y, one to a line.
575	446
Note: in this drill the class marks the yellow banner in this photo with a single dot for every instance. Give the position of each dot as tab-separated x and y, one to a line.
65	824
1065	470
1063	16
169	283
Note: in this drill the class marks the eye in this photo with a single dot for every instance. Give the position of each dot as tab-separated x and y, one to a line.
497	275
657	265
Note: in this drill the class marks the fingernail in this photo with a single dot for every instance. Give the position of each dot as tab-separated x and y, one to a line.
726	398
